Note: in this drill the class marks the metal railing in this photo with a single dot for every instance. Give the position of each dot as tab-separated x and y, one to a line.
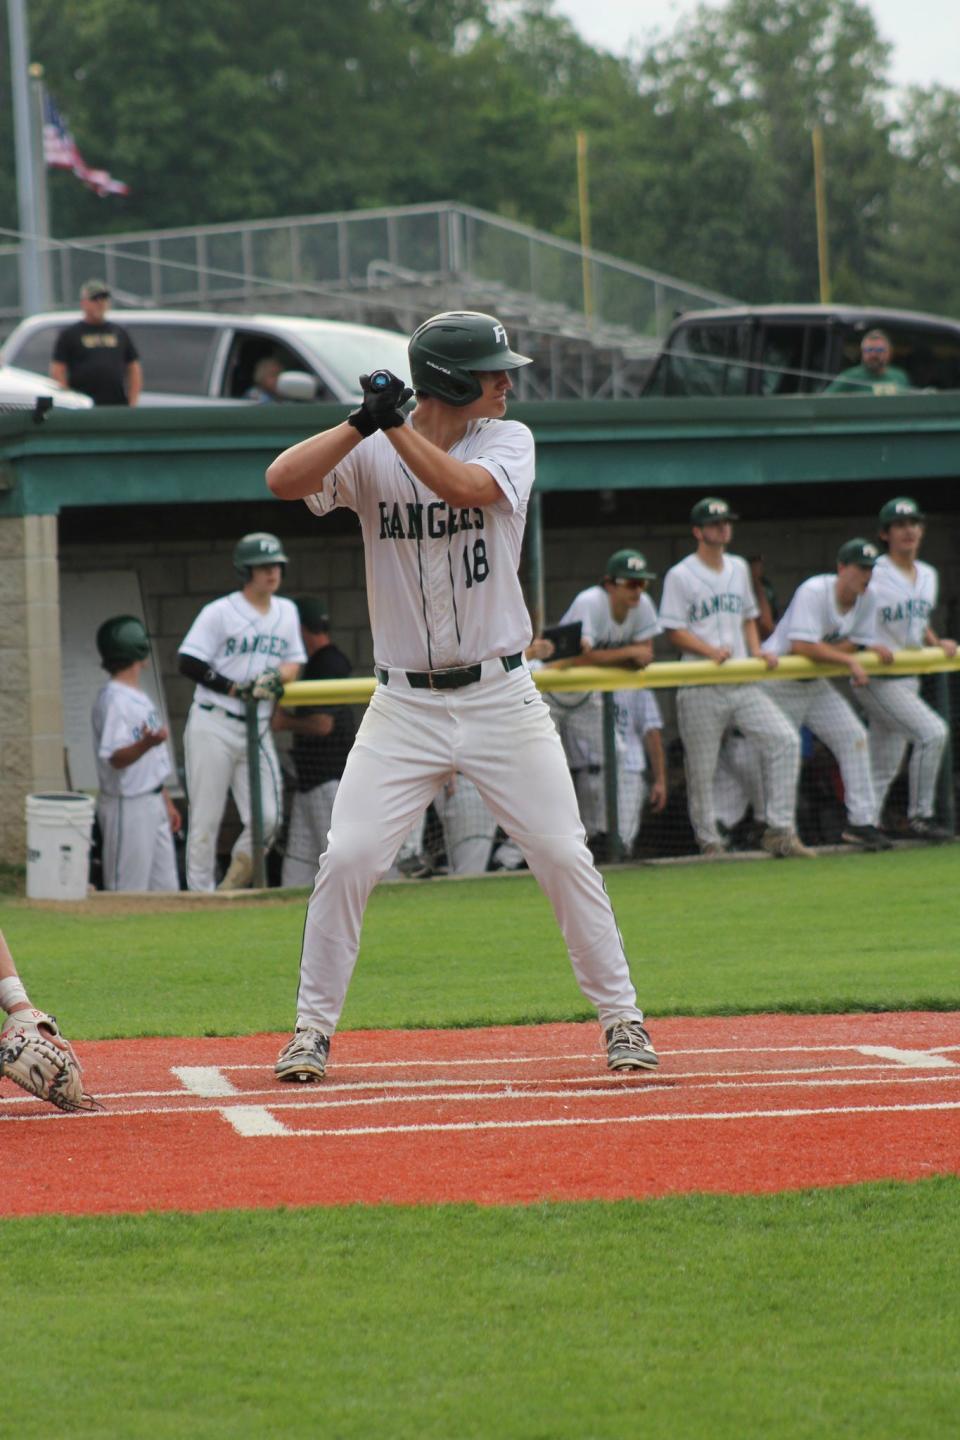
390	267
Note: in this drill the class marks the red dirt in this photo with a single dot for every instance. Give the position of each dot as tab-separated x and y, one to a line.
513	1114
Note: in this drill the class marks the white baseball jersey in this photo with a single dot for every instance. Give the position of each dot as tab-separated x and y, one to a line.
903	606
634	713
239	641
442	582
121	714
711	604
592	608
813	615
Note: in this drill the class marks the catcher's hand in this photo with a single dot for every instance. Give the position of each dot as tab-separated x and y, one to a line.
35	1056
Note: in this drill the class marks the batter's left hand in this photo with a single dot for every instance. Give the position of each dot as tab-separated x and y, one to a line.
658	796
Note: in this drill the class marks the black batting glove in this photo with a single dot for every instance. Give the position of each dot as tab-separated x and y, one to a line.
383	396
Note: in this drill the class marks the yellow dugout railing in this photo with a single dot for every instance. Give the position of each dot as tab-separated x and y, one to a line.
661	675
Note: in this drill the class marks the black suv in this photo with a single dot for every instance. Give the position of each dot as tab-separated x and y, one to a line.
797	349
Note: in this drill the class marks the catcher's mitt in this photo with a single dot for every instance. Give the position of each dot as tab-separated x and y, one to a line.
35	1056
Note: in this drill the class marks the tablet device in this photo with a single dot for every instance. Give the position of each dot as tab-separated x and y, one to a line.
566	639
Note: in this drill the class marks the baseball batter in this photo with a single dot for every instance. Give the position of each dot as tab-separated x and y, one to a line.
830	618
709	612
246	645
618	624
442	498
905	591
137	817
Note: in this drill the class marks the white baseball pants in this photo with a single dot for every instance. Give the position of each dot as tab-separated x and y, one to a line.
899	717
704	712
215	752
499	734
138	852
816	704
468	827
310	812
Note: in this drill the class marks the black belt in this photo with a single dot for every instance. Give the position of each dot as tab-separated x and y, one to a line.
230	714
453	679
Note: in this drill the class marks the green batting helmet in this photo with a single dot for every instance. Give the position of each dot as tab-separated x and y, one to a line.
258	548
447	349
121	640
629	565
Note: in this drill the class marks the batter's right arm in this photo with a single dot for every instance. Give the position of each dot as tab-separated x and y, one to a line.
300	471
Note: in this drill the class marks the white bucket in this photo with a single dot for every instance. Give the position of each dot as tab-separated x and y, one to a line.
58	845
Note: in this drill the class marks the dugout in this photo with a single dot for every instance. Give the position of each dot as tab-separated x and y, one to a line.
163	494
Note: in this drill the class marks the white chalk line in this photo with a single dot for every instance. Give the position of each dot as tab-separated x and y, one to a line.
552	1056
558	1122
607	1083
342	1098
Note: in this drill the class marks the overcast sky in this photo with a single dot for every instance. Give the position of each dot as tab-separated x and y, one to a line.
925	33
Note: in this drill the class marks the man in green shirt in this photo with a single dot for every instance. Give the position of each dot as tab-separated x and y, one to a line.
874	375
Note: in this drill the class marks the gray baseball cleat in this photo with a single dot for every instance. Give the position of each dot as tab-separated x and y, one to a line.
304	1057
629	1047
784	843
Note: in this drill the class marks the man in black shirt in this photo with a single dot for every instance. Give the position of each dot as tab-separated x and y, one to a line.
95	356
321	743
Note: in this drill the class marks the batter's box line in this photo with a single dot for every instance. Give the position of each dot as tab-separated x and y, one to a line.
321	1101
272	1127
892	1051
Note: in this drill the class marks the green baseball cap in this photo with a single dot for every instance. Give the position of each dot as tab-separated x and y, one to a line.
902	508
711	511
628	565
858	552
314	615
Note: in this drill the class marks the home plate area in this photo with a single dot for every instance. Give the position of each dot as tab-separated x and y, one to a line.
513	1114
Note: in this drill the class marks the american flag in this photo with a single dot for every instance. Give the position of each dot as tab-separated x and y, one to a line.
61	153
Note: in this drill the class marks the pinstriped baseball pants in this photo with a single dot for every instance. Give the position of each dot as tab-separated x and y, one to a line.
897	717
816	704
704	712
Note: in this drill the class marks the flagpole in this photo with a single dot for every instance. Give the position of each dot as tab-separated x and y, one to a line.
40	183
31	298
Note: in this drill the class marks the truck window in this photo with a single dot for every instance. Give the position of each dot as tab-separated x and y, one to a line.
176	359
702	360
250	346
792	359
37	350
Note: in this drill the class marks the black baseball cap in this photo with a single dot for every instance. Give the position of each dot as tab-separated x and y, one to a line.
313	614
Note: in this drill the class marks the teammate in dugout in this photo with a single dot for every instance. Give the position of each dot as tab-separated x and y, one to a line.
709	612
244	646
442	498
831	618
33	1052
904	590
618	624
138	820
321	744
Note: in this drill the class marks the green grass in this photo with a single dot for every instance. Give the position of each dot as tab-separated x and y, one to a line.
843	932
821	1314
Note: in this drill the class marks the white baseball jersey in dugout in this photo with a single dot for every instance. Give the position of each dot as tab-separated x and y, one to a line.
239	641
442	582
813	615
903	606
592	608
121	716
711	604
